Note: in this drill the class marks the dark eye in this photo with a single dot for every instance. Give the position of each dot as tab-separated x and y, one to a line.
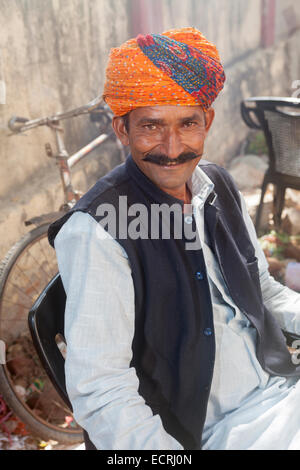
150	127
189	124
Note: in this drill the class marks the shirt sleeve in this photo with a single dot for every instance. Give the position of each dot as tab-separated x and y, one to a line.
99	329
282	302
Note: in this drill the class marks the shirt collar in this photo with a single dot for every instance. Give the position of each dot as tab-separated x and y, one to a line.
200	186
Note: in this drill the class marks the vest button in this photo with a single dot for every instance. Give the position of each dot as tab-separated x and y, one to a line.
207	332
199	276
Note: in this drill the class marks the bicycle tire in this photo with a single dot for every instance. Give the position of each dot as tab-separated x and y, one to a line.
29	244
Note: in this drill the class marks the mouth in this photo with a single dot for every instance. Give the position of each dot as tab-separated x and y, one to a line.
169	166
172	164
167	163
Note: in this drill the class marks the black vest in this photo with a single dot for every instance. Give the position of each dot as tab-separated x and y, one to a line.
174	345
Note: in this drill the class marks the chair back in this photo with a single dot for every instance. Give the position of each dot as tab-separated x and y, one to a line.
46	324
279	118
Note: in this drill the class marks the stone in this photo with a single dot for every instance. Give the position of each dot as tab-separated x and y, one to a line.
292	198
291	221
255	161
248	171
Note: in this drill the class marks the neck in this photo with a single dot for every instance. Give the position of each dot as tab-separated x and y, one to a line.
182	193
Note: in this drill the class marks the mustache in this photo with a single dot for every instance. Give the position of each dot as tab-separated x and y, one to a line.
161	159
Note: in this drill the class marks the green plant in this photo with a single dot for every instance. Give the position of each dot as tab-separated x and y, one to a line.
257	144
279	245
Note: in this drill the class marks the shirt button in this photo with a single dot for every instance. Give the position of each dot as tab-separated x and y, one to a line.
188	219
199	276
207	332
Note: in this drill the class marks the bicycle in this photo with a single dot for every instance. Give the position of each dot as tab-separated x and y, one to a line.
24	272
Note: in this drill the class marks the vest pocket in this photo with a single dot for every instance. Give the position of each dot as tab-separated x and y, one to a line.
254	274
253	266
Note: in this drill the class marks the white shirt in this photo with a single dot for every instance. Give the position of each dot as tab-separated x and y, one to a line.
99	327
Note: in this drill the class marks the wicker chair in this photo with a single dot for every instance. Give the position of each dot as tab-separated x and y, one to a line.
279	118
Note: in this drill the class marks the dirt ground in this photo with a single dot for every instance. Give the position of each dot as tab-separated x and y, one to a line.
16	442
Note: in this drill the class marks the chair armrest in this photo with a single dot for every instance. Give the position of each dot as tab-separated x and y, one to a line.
246	115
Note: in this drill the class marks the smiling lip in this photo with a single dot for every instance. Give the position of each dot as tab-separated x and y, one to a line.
170	166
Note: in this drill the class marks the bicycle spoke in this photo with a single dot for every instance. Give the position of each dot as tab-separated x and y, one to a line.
25	307
11	283
51	410
38	264
25	275
19	296
61	406
45	255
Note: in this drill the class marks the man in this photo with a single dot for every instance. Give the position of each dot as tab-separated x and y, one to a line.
174	339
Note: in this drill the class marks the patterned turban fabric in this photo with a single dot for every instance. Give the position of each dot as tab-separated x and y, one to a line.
178	67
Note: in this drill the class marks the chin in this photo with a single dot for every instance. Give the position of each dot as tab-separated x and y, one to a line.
170	182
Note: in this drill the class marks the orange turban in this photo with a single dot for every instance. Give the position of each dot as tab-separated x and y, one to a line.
178	67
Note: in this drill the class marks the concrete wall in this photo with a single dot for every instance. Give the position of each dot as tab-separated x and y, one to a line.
223	22
287	18
53	55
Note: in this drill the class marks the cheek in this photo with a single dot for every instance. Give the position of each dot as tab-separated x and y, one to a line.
192	164
195	139
142	143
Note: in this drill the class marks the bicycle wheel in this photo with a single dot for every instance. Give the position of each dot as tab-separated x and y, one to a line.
24	273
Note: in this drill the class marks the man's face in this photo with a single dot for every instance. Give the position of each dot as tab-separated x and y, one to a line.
166	142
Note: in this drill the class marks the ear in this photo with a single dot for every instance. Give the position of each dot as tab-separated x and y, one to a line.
209	116
120	130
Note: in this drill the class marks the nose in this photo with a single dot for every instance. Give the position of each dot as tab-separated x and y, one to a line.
172	144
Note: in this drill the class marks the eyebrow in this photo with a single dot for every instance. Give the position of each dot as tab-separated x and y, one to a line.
145	120
151	121
192	117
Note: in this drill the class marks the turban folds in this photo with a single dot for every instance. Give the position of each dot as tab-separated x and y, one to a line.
178	67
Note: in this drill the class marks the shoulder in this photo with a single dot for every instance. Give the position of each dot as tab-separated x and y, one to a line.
81	229
215	170
78	223
78	229
223	181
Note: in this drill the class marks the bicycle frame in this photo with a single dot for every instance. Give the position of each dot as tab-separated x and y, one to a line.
65	161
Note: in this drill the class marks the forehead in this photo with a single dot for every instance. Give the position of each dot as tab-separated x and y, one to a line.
166	113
